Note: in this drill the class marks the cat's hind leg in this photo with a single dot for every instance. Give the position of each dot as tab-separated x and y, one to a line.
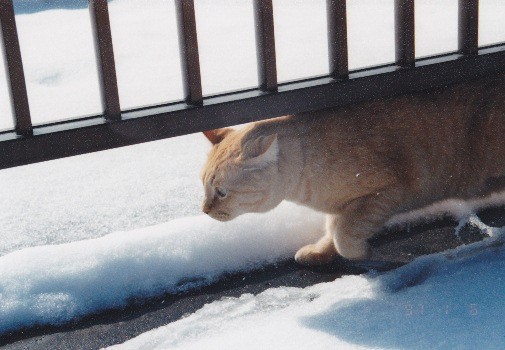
321	252
362	218
347	232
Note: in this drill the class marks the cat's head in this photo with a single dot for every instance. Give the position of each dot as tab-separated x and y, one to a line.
241	174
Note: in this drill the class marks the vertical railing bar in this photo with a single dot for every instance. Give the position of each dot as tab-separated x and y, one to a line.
468	37
14	69
405	33
105	59
337	38
188	48
265	45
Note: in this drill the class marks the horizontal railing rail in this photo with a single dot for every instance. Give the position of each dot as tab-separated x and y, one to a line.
115	128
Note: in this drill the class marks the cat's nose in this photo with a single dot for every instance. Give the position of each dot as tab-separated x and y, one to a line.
206	209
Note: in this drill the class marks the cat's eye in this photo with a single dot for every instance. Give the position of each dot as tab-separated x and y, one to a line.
221	192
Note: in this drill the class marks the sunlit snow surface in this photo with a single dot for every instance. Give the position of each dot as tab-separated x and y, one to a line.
54	283
79	202
444	301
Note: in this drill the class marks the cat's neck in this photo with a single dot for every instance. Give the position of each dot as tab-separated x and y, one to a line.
291	169
291	184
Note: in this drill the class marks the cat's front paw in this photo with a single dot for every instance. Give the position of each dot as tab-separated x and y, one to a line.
310	255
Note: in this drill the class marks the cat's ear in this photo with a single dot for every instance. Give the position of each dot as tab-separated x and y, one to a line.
261	151
217	135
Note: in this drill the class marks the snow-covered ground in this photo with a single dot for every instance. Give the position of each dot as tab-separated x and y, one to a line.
445	301
91	195
52	284
55	283
90	232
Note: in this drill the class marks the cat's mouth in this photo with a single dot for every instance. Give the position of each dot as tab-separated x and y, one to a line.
221	216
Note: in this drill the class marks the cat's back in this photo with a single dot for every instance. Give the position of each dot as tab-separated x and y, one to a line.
446	115
466	118
449	137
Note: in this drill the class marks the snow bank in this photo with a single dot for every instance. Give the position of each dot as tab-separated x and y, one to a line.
53	284
457	303
458	209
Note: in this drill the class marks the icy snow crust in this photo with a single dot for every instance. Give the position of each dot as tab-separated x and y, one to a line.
444	301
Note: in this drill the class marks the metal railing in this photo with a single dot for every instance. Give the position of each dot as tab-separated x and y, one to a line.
114	128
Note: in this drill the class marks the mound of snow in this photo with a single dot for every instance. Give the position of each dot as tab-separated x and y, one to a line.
53	284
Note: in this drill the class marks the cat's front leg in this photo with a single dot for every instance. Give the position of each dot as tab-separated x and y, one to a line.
320	253
347	232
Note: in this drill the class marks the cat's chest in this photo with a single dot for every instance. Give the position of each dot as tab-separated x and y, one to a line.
319	194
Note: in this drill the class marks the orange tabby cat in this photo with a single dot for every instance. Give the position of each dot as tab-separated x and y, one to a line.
361	164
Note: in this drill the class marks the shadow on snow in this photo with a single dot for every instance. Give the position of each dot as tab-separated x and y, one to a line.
455	306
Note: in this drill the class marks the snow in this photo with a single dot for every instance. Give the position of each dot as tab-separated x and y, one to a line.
270	320
296	25
444	301
61	74
458	209
55	283
51	284
88	233
59	63
436	19
95	194
145	34
226	42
